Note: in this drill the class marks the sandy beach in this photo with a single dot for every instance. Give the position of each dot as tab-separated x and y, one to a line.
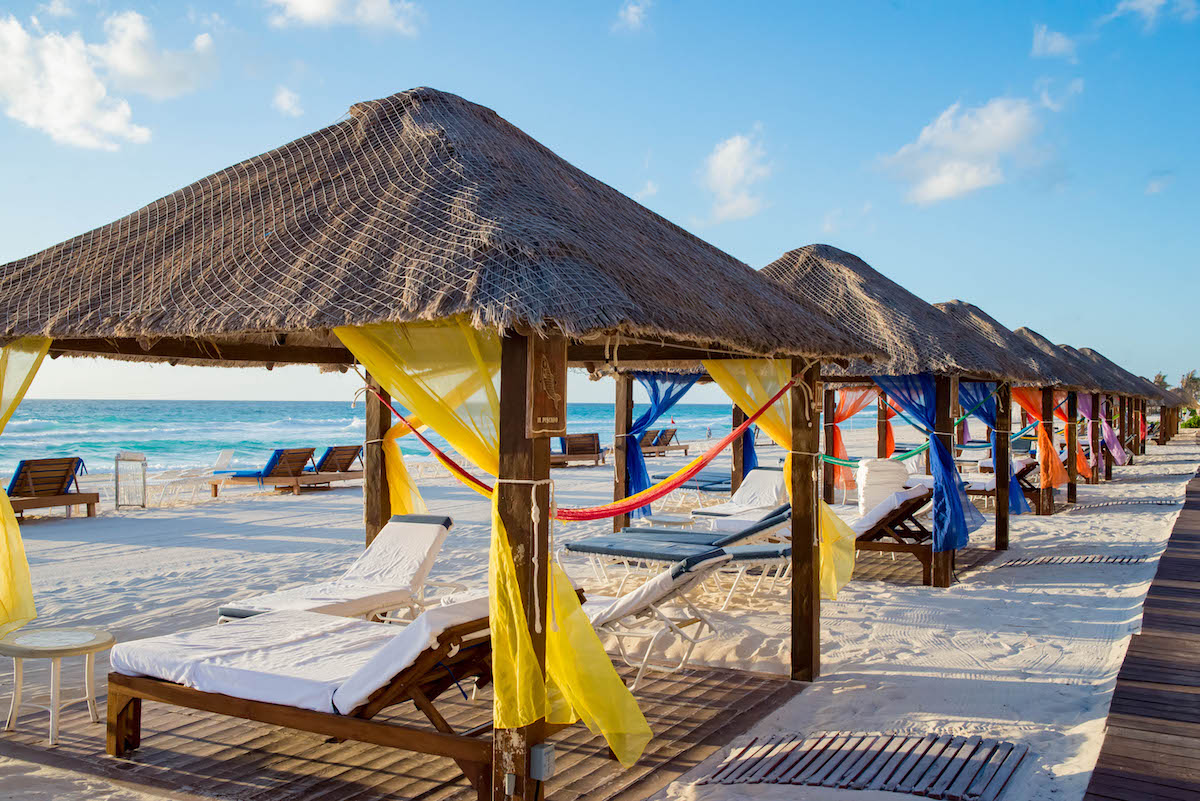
1027	654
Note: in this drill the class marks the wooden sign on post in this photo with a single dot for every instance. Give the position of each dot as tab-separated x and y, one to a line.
546	382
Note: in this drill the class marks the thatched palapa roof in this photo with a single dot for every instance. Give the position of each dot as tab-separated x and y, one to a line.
421	205
1075	371
1124	382
1049	370
918	337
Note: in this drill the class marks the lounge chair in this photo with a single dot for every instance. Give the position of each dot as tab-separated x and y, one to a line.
316	673
283	469
640	615
647	440
338	459
579	448
172	484
892	527
761	491
390	575
660	443
46	483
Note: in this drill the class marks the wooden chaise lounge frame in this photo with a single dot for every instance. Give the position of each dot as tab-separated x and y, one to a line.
665	442
579	448
288	473
900	532
46	483
455	658
1032	493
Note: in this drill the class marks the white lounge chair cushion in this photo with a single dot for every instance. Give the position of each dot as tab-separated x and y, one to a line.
1018	463
300	659
884	508
294	658
657	590
877	479
980	483
388	574
761	489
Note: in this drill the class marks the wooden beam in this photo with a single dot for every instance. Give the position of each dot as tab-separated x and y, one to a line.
943	561
204	350
1123	428
580	352
523	461
960	430
738	466
1108	457
1046	492
881	426
621	425
806	559
1097	451
377	499
1072	447
1000	460
828	406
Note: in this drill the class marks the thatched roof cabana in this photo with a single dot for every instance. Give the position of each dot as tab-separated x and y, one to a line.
1048	368
418	206
917	337
1121	380
1075	371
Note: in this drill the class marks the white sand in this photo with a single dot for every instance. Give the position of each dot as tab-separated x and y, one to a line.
1021	653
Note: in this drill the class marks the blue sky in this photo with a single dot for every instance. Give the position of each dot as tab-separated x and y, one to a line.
1036	159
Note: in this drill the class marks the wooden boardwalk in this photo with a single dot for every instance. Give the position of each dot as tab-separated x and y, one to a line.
1152	746
196	755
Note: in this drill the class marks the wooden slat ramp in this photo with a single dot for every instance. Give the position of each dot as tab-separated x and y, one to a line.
1087	559
1151	747
932	766
196	755
903	569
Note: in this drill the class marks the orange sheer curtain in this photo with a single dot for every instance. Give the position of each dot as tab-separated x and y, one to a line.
1081	462
849	403
1053	472
890	412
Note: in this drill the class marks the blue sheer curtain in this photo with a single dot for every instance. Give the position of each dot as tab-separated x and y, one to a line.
954	517
665	390
749	455
978	395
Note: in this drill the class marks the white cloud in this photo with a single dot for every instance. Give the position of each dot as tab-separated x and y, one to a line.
965	149
393	16
1150	11
730	173
287	102
829	224
632	15
49	82
1047	100
1158	183
1052	44
135	63
649	190
57	8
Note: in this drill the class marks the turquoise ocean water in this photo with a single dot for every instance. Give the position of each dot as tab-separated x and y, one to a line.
175	434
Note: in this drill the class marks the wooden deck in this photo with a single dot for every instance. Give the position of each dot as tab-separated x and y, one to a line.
1152	746
195	755
904	569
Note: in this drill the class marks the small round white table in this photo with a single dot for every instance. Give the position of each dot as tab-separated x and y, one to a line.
55	644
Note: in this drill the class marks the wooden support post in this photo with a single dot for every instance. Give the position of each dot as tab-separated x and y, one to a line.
522	462
377	499
960	429
1143	405
881	426
1000	460
1094	427
1124	429
806	560
1072	447
943	562
738	466
621	425
1108	457
827	473
1046	494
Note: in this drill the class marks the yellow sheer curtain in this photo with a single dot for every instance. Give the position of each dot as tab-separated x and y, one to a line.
447	373
19	363
752	382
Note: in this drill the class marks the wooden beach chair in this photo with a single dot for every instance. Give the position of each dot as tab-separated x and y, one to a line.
647	442
349	672
46	483
283	470
892	527
579	448
338	459
391	576
668	441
